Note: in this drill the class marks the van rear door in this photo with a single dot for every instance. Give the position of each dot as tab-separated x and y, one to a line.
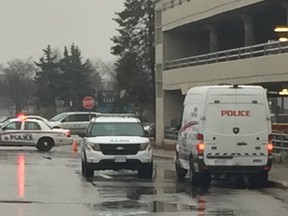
236	128
252	138
218	133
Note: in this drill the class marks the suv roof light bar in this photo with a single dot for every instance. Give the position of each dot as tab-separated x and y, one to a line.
117	114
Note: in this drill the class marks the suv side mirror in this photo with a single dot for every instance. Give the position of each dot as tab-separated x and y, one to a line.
82	135
146	133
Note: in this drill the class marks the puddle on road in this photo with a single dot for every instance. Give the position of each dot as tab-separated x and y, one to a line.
19	201
154	206
137	192
160	207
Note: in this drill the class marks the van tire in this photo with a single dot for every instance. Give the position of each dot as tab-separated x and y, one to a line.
258	180
202	178
145	171
205	178
45	144
193	176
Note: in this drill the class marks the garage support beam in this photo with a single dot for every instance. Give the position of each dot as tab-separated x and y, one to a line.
214	42
285	5
249	30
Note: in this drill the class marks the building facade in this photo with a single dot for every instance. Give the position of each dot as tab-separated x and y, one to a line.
203	42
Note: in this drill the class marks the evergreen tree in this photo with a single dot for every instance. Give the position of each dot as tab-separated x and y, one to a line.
47	80
135	48
76	78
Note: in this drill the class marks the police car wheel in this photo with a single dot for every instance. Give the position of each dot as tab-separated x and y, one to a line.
45	144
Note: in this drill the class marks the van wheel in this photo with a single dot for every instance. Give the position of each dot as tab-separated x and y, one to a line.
180	172
193	176
145	170
205	178
45	144
258	180
202	178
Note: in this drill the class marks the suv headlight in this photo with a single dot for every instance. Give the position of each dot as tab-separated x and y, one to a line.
94	146
143	146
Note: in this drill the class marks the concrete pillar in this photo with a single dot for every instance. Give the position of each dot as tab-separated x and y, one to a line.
248	30
285	5
159	124
214	43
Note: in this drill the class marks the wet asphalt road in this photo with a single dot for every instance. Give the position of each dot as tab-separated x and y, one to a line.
50	184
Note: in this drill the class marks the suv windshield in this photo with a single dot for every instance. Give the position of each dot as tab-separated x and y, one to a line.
58	117
115	129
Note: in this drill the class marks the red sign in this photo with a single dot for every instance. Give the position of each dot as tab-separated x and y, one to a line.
88	102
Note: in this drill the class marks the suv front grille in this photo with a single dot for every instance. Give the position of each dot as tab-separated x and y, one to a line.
119	149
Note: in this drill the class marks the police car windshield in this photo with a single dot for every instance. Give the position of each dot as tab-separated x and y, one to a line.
58	117
116	129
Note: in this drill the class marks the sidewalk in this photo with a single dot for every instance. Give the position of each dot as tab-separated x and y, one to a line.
278	173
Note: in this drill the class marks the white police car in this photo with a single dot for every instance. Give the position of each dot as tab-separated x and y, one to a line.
32	132
115	142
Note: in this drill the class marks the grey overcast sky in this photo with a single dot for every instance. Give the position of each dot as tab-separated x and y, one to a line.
28	26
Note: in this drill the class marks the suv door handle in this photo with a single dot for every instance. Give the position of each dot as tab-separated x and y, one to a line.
242	143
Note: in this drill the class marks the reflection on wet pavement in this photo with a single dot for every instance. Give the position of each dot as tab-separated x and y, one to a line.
55	183
21	175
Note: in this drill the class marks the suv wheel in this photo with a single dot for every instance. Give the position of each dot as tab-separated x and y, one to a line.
86	170
146	170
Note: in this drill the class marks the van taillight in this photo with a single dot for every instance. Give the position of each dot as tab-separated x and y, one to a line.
68	133
200	145
270	146
200	148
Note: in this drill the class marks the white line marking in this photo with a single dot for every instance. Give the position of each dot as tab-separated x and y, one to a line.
105	176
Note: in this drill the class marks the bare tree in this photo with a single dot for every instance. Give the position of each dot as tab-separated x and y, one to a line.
107	72
17	80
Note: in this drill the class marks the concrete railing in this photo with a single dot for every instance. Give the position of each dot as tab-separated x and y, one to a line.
269	48
171	133
280	142
173	3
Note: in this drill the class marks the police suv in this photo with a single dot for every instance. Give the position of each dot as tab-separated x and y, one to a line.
115	142
32	132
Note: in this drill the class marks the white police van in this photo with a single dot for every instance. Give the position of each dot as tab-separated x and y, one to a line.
225	130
